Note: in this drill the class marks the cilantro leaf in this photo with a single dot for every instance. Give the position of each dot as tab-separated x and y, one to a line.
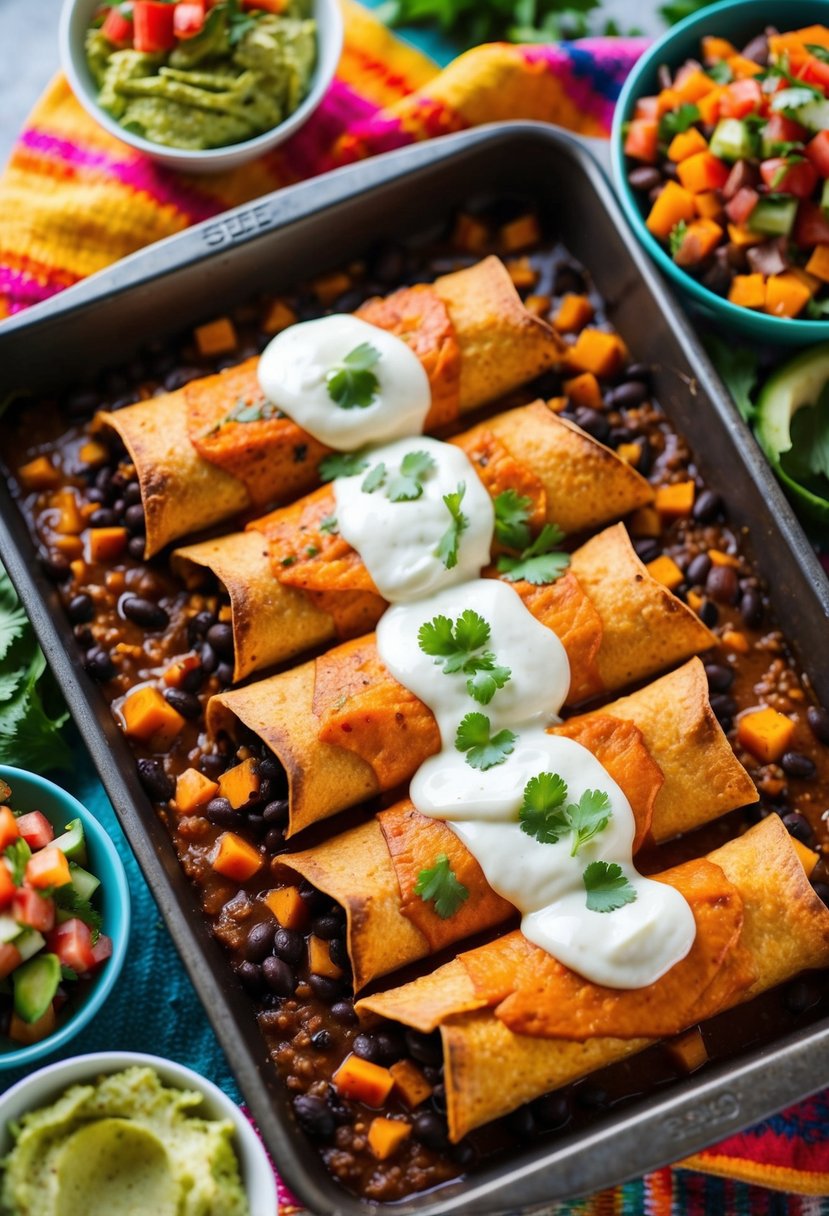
439	885
587	817
487	678
512	513
329	524
352	384
342	464
66	973
18	854
676	237
676	121
454	647
720	71
606	886
541	562
374	479
789	101
408	483
542	814
482	750
13	622
737	365
819	52
68	899
447	549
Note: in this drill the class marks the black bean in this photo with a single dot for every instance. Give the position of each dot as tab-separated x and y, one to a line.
646	548
276	813
314	900
724	707
344	1013
220	812
80	609
82	404
722	585
134	518
104	517
144	613
103	477
338	953
709	613
430	1130
322	1040
186	703
207	655
220	637
118	507
255	823
324	987
751	607
132	493
278	976
224	674
84	636
327	926
821	890
522	1123
390	1045
670	171
288	945
314	1116
270	767
180	376
155	781
438	1098
553	1110
798	825
94	495
797	765
275	841
259	941
593	422
135	548
198	625
644	177
620	434
628	395
192	679
365	1046
55	567
707	507
465	1153
698	569
425	1048
252	976
568	277
639	371
720	677
121	403
212	766
818	719
100	666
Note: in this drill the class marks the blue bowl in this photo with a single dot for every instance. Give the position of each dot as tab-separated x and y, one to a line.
33	793
738	21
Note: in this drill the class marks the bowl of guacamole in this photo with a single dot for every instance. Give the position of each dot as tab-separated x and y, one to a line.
125	1134
200	85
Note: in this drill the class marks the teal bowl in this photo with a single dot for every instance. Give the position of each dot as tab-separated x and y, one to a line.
33	793
738	21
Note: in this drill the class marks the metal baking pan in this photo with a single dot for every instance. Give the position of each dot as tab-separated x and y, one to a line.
269	245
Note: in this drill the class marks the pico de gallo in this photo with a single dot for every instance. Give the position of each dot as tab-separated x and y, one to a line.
199	74
50	930
732	156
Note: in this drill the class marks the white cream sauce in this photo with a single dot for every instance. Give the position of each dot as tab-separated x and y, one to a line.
294	370
398	541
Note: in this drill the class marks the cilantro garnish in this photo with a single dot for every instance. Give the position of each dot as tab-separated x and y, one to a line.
512	513
374	479
720	71
819	52
439	886
606	886
69	900
454	647
544	816
676	121
408	483
483	751
541	562
789	101
247	411
676	237
738	367
352	383
17	854
342	464
329	524
589	816
447	549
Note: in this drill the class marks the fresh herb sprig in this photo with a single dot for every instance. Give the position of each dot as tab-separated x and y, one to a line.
471	22
540	562
342	464
407	484
512	514
352	383
439	886
607	887
545	817
447	548
456	647
483	749
17	854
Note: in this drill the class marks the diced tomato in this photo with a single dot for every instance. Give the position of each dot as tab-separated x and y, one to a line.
641	140
798	179
647	107
35	829
779	130
117	27
814	71
811	226
739	98
153	26
102	949
740	207
32	909
188	19
10	957
72	943
9	831
7	887
817	151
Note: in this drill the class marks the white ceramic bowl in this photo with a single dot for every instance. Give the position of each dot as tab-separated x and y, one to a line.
43	1087
75	18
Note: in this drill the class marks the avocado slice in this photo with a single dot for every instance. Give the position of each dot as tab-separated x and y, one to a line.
35	984
801	384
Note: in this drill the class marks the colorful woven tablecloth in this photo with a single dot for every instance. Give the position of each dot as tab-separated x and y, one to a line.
73	199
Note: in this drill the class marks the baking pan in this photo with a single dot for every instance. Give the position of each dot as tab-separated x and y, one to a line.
295	234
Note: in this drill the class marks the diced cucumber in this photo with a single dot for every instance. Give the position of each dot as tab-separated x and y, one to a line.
773	216
35	985
9	929
814	115
72	842
84	883
732	140
29	942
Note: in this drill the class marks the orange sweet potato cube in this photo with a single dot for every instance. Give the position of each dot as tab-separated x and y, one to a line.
410	1083
148	717
584	390
319	959
574	312
193	791
363	1081
665	570
278	317
105	544
240	783
818	263
675	501
765	733
386	1135
598	352
38	474
520	232
216	337
235	858
688	1050
288	906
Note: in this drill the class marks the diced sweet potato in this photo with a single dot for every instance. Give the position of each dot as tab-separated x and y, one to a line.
319	959
686	144
719	558
673	205
808	857
70	521
786	295
574	312
748	290
470	234
539	306
240	783
386	1135
216	337
699	241
691	84
631	453
69	546
148	717
740	235
733	639
714	50
709	107
410	1083
519	233
105	544
743	68
39	474
193	791
235	858
584	390
702	172
765	733
176	672
523	273
695	601
818	263
92	453
598	352
688	1050
278	317
665	570
363	1081
675	501
708	204
288	906
48	868
329	286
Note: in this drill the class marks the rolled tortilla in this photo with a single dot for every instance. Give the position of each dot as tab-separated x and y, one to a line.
347	695
564	466
697	778
490	1071
501	345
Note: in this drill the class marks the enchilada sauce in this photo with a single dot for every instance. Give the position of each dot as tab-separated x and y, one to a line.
137	626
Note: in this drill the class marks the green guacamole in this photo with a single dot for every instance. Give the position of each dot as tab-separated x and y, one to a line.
124	1146
243	74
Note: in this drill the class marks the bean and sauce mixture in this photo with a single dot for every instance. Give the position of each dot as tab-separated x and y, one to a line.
136	624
